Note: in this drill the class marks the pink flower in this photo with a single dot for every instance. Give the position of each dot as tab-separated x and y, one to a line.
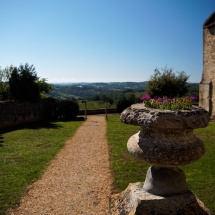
145	97
192	98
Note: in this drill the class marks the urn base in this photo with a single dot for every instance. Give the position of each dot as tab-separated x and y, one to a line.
163	181
136	201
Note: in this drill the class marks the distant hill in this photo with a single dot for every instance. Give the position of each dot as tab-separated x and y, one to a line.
88	90
84	90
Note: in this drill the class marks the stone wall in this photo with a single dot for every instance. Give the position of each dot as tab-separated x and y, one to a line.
205	95
13	113
97	111
207	85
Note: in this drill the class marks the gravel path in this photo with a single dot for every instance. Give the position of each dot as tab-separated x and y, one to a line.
78	180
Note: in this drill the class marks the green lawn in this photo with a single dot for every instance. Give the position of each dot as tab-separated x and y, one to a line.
24	154
127	169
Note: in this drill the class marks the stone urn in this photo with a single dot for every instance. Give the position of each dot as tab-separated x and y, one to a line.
165	141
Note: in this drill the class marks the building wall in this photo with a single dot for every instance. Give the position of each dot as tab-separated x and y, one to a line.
209	54
207	85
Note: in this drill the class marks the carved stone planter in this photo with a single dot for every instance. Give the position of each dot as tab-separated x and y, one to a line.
166	140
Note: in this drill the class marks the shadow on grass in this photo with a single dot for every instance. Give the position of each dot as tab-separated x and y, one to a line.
1	141
72	119
38	125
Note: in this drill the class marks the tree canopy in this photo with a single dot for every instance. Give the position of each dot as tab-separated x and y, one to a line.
4	87
22	83
167	83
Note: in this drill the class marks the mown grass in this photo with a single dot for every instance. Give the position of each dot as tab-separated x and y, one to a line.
201	174
24	154
127	169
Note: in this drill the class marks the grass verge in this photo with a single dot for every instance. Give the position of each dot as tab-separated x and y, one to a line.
24	154
127	169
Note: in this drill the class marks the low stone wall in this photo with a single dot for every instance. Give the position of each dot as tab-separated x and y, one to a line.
97	111
13	113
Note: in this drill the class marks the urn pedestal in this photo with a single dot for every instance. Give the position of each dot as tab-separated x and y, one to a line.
165	141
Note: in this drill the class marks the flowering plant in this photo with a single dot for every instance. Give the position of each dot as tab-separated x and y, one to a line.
166	103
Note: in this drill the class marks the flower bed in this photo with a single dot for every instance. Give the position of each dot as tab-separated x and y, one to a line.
166	103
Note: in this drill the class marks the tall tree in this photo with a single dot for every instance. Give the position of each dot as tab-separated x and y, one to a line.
23	83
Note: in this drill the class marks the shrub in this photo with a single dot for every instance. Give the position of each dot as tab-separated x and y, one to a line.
67	109
123	103
167	83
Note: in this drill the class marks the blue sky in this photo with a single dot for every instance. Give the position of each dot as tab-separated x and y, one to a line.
104	40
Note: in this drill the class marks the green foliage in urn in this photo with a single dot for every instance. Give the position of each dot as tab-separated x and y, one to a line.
167	83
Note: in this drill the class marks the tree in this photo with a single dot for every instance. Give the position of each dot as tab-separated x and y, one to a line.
167	83
131	98
23	84
106	99
4	86
44	87
124	102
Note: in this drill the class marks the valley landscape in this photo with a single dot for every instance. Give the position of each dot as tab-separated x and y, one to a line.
84	90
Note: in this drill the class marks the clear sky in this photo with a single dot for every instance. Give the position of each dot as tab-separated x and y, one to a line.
103	40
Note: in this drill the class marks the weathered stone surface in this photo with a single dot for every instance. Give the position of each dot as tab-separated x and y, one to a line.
165	181
165	148
135	201
166	137
166	140
14	113
205	95
138	114
207	89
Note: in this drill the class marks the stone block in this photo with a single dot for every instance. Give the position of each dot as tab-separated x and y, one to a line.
135	201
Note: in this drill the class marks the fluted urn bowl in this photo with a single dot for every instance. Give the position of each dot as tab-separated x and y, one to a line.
166	138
